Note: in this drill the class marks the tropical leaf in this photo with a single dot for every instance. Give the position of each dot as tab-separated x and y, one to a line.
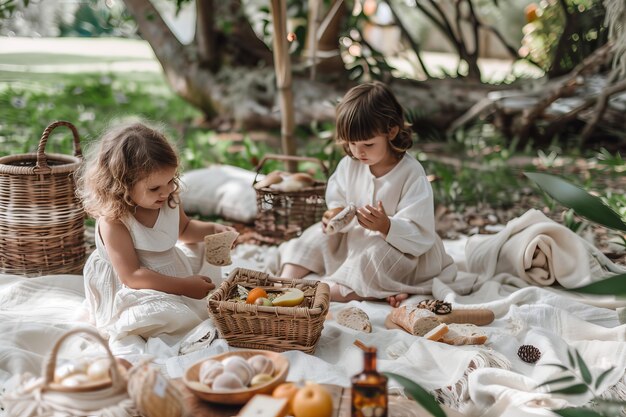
571	390
572	363
584	371
577	412
615	285
583	203
602	376
558	365
557	380
419	394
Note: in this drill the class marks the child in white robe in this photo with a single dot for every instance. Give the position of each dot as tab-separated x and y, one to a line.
390	249
147	276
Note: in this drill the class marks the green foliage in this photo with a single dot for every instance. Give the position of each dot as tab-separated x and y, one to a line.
558	38
580	380
419	394
7	7
95	18
90	101
583	203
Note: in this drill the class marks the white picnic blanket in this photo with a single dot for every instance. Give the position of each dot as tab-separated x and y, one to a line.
487	380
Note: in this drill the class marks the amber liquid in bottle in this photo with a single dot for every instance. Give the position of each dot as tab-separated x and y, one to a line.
369	389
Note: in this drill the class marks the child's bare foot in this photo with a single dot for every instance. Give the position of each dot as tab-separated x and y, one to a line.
396	300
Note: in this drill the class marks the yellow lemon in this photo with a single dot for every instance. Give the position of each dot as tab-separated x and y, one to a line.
291	298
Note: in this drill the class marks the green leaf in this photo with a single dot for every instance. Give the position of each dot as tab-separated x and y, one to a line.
583	203
615	285
577	412
602	376
419	394
572	363
556	381
558	365
574	389
584	371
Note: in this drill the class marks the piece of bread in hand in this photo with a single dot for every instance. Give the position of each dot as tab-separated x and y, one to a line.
217	247
414	320
464	334
437	333
354	318
341	220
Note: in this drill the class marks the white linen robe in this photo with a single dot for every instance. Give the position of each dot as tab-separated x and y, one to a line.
363	260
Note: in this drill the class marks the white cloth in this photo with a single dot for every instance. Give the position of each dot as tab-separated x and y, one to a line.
221	190
119	311
539	251
363	260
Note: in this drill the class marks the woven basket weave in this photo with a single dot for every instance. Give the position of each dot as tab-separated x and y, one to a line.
282	215
41	218
271	328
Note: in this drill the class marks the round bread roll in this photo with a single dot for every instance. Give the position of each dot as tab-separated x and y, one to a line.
273	177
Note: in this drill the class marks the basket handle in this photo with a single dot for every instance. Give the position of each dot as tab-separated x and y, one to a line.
42	161
286	158
50	363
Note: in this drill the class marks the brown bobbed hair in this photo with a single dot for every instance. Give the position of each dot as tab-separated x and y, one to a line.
370	110
124	155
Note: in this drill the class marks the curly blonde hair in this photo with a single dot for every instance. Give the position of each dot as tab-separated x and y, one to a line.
123	156
369	110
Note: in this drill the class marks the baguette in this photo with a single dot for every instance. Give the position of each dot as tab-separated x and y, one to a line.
414	320
272	178
479	317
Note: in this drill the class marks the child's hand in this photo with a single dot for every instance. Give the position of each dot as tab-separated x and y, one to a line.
373	218
329	214
219	228
198	286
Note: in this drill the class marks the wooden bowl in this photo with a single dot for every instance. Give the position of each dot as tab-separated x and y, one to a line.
240	396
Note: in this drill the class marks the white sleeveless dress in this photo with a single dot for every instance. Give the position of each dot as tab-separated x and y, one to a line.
119	311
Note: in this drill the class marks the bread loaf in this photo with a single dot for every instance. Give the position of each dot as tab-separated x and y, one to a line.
272	178
217	247
464	334
354	318
414	320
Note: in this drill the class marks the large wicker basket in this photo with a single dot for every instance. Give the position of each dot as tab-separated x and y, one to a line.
271	328
41	218
282	215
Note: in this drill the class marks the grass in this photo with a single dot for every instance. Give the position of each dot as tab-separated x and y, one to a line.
39	84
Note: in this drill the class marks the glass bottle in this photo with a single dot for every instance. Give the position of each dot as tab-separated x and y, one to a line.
369	388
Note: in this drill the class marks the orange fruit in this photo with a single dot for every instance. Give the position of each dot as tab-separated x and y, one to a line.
254	294
286	390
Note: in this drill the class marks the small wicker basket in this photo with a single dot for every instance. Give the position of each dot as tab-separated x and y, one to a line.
41	218
264	327
283	215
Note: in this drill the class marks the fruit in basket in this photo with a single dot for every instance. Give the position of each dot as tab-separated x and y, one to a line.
262	301
291	298
286	390
312	400
255	294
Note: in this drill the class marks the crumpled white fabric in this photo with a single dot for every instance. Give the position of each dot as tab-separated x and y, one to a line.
539	251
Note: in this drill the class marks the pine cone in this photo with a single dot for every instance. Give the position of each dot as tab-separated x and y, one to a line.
436	306
528	353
